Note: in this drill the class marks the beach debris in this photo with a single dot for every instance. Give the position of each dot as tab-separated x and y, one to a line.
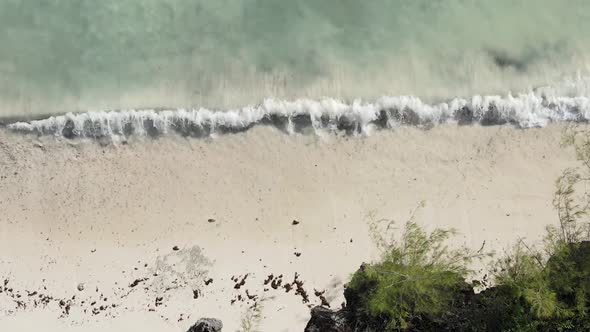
299	290
239	283
137	282
295	222
210	220
320	295
276	283
297	254
207	325
65	307
195	294
175	248
250	296
208	281
159	300
80	286
269	279
287	287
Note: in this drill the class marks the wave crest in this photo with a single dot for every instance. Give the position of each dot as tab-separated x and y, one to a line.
303	115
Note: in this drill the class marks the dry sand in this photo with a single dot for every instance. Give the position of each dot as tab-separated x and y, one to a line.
77	212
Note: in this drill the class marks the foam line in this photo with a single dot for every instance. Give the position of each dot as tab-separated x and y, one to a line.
357	117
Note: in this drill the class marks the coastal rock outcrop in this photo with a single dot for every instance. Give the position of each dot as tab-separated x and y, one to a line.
207	325
326	320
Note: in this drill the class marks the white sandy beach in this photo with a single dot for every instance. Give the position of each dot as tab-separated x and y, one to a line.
77	212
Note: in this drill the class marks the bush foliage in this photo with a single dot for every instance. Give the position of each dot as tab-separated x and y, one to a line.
419	282
416	280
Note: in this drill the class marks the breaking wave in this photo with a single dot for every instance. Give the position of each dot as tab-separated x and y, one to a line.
304	116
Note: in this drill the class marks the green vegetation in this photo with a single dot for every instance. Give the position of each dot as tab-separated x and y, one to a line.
419	282
253	317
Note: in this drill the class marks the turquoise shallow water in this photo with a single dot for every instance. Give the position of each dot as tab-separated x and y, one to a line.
63	55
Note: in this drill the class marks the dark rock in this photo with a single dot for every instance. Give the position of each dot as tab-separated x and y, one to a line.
242	282
175	248
207	325
326	320
269	279
299	290
287	287
135	282
295	222
250	296
276	283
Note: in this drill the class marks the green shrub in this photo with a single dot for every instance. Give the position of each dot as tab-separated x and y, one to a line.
419	283
418	278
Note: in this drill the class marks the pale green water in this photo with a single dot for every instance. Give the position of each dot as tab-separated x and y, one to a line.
64	55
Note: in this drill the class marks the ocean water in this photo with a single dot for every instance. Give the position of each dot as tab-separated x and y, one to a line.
438	61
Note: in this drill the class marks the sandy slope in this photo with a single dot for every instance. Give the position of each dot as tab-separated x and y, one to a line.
76	212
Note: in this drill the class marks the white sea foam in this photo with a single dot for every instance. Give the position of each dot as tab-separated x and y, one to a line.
357	117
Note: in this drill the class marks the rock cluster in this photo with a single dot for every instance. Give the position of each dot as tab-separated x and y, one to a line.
207	325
